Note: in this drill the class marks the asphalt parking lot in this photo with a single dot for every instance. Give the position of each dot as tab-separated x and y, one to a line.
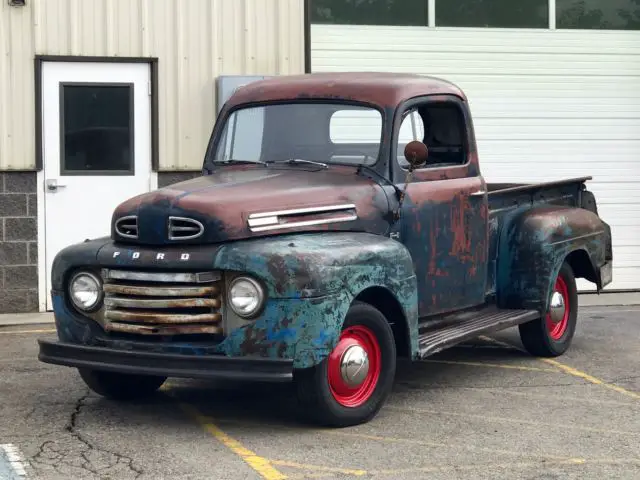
484	410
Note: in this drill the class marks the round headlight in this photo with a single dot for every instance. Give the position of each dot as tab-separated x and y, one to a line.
85	290
245	296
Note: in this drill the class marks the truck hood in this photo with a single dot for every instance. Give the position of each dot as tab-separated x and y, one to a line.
239	202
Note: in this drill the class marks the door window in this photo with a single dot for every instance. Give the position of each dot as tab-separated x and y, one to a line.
96	128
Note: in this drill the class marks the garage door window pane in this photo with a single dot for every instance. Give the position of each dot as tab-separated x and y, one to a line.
493	13
96	129
598	14
370	12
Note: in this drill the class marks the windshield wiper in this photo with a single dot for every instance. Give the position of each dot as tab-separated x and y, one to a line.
232	161
297	161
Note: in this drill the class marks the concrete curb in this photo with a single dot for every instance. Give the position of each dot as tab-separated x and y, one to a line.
585	300
18	319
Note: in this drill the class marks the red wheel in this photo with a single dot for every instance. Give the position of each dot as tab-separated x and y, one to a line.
354	366
352	383
551	335
559	309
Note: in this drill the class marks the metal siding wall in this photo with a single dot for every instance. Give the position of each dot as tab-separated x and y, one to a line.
17	102
195	41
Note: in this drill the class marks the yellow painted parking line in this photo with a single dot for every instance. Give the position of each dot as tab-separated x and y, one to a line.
259	464
487	418
572	371
319	468
565	398
493	365
459	467
413	441
590	378
380	438
16	332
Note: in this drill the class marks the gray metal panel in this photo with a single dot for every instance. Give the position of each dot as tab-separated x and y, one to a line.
228	84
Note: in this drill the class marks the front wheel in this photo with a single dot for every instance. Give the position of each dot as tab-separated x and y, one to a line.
350	386
120	386
551	335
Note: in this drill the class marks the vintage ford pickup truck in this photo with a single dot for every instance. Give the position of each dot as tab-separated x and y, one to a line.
341	221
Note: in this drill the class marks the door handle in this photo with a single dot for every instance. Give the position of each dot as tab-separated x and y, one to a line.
53	185
479	193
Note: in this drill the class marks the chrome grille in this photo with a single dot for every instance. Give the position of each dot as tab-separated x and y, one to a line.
151	303
127	227
181	228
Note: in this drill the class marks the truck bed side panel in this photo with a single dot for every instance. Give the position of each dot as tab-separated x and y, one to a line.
505	204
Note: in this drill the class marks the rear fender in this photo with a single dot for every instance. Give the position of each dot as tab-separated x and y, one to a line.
535	242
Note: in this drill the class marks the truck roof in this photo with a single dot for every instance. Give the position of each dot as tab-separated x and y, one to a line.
383	89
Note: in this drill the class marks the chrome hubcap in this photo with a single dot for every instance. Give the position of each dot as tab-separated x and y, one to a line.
354	366
557	307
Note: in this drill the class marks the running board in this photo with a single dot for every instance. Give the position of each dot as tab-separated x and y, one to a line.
468	325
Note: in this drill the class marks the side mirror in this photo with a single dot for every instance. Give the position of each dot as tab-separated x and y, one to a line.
416	154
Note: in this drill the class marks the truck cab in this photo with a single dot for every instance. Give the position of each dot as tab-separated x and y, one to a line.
341	221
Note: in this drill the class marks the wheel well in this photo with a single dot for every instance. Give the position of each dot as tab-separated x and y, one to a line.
386	302
581	265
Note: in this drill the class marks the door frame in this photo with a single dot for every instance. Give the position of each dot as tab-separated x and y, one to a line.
39	146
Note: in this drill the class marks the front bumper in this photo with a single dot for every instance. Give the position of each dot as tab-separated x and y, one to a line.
166	364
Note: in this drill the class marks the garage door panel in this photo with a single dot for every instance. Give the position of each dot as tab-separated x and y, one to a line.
475	40
546	105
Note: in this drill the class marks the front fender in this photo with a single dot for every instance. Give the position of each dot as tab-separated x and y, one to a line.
534	243
312	279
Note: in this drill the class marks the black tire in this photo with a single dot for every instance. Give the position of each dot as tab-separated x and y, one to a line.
314	392
120	386
538	336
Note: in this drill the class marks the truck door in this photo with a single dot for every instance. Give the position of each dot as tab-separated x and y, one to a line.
443	220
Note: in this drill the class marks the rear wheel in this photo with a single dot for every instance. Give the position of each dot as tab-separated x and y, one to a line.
120	386
350	386
551	335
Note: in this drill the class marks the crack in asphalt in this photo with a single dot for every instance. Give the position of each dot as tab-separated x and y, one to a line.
61	457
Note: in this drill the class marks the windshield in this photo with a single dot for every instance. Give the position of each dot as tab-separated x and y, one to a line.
311	132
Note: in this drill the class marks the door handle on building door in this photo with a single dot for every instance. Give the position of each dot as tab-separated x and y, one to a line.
53	185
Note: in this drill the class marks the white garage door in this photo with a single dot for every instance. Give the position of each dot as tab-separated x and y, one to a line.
546	105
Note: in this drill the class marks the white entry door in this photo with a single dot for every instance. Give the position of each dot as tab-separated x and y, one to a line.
96	130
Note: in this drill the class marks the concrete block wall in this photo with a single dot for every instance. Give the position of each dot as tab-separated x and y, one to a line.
18	243
19	237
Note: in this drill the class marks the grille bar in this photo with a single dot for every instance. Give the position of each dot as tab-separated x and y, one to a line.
144	316
202	277
166	330
155	303
161	302
110	288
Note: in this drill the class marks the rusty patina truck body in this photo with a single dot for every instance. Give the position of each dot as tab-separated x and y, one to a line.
307	253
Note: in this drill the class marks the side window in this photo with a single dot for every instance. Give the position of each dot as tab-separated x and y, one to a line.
442	128
411	128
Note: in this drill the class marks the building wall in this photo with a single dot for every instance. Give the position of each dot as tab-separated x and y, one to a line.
18	242
195	41
547	105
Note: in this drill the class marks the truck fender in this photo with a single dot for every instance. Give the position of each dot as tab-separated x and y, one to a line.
311	281
533	245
